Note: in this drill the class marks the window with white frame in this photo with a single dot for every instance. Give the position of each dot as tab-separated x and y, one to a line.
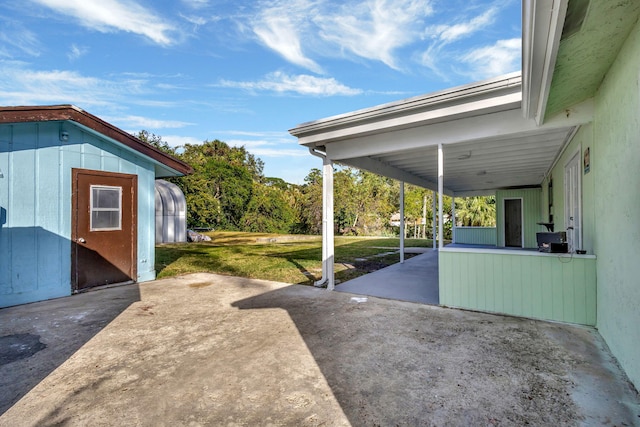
106	208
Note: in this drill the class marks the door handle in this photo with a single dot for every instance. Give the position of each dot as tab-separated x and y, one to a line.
81	240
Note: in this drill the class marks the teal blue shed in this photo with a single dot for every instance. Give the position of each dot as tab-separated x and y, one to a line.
77	203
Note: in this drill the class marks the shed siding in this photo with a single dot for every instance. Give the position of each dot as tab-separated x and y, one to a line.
35	198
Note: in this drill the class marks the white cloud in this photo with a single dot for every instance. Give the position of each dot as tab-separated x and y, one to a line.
21	86
262	148
15	38
369	29
279	25
115	15
444	57
489	61
147	123
196	4
76	52
450	33
302	84
375	29
181	141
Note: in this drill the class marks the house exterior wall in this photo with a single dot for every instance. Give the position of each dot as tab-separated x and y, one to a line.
521	283
35	206
582	140
476	235
531	208
616	182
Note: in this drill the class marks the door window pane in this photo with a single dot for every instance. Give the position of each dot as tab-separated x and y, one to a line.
106	208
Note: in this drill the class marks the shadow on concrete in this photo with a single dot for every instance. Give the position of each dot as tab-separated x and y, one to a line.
398	363
35	339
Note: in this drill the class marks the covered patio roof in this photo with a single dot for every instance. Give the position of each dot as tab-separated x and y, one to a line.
487	141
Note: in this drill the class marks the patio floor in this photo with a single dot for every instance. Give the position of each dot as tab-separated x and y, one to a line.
206	349
416	280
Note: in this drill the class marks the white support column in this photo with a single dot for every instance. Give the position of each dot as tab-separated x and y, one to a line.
440	191
327	190
327	226
401	222
433	225
453	219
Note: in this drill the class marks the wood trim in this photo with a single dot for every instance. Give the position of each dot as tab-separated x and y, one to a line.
75	173
25	114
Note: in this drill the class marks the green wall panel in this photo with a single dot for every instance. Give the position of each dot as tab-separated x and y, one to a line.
476	235
532	213
543	286
616	176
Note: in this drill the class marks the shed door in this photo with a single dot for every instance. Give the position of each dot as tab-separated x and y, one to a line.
513	222
104	228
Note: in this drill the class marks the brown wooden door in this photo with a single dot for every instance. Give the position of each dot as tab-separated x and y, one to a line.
104	228
513	222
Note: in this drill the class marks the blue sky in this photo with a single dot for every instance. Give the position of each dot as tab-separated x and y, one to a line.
245	72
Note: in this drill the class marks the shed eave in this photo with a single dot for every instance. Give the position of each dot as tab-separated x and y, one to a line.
67	112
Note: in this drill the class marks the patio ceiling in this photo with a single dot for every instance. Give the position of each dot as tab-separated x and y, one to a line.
487	142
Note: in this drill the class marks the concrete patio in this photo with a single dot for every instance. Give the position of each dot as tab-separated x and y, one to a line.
206	349
415	280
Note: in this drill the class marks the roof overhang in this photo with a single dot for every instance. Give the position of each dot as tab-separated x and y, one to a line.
568	47
165	164
542	22
487	142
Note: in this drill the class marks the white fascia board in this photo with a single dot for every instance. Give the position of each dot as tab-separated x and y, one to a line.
542	22
478	128
442	115
434	106
379	168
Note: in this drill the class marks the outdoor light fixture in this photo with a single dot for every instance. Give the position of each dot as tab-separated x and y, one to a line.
64	135
1	174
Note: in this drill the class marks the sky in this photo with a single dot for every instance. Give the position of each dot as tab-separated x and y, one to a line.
245	72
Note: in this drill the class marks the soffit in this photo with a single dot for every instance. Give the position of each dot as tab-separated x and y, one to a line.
584	58
478	166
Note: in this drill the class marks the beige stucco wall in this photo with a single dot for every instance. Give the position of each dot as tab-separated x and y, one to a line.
616	180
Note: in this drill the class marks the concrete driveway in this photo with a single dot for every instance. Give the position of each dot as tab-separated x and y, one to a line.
206	349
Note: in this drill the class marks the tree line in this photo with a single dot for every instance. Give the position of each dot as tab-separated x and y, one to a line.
228	191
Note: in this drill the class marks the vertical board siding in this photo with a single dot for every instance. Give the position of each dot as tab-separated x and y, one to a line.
531	210
550	287
477	235
35	206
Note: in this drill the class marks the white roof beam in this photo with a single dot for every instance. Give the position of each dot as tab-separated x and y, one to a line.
380	168
471	129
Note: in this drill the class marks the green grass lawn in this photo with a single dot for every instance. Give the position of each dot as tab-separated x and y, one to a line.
289	259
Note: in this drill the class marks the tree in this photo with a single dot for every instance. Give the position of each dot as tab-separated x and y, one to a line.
220	189
268	211
476	211
156	141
